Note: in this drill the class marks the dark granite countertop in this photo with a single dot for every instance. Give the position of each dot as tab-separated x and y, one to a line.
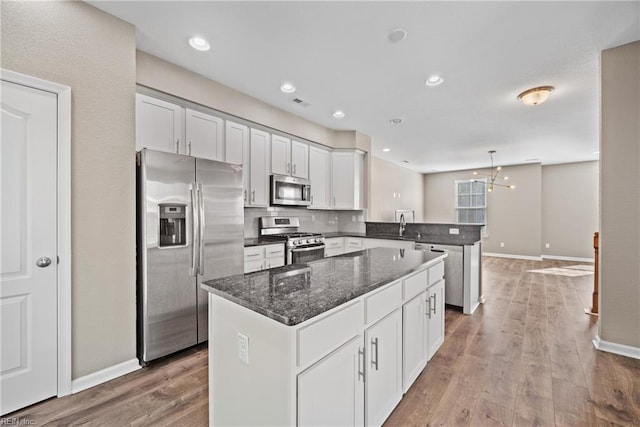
257	241
295	293
451	239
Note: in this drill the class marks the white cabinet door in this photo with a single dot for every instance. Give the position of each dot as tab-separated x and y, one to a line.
259	168
320	177
204	135
237	136
347	179
331	392
435	322
384	367
280	155
299	159
158	125
414	339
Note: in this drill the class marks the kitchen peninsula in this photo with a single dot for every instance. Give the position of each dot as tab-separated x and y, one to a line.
300	344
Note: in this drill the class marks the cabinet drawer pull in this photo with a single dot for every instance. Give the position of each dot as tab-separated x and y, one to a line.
189	148
288	168
428	306
251	255
245	196
178	146
433	308
374	362
294	168
253	196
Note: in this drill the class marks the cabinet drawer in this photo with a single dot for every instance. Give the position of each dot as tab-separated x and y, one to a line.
436	273
253	253
326	334
274	250
354	243
251	266
415	284
382	303
334	243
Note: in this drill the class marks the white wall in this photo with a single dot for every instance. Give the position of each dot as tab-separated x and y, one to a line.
569	209
619	320
394	187
74	44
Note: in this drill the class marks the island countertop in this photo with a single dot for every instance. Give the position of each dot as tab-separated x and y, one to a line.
295	293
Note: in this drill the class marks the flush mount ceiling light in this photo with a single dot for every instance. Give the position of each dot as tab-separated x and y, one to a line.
338	114
396	121
397	35
386	150
536	96
287	87
434	80
198	43
493	175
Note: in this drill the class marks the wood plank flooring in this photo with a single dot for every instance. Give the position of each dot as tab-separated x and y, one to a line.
525	358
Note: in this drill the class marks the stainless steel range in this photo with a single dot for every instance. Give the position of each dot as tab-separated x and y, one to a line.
300	247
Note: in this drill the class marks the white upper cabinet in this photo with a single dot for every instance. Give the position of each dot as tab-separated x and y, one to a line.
320	177
258	194
280	155
237	136
347	179
299	159
289	157
159	125
204	135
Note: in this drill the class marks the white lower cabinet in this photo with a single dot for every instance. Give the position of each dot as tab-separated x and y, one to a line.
331	392
333	246
435	321
414	339
383	368
263	257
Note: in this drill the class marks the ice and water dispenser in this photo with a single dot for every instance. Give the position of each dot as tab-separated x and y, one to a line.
173	226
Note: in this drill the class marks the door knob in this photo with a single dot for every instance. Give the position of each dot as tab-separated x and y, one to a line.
43	262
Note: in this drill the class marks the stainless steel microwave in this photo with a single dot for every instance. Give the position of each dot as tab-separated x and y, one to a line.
290	191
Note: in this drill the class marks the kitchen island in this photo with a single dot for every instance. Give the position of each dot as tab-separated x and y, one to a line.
293	345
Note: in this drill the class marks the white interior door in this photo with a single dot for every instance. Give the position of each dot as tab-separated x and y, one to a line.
28	272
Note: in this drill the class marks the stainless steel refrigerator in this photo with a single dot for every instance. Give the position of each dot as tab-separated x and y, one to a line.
190	229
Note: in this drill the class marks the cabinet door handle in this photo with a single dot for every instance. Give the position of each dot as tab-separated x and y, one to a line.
361	366
428	307
433	308
288	168
189	148
178	146
374	362
312	199
253	196
294	168
245	195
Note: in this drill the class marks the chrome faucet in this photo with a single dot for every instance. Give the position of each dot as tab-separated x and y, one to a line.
403	224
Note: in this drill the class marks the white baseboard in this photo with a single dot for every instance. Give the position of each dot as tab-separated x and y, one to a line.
533	258
567	258
621	349
104	375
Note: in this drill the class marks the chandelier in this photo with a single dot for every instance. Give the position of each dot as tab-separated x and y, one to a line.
493	175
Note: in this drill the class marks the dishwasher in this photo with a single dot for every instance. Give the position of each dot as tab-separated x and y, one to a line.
453	272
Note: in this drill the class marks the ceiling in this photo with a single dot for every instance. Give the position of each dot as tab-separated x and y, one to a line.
339	56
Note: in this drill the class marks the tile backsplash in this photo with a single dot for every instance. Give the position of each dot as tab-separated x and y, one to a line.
322	221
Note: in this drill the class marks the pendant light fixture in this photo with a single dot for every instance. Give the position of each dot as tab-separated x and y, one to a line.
535	96
493	175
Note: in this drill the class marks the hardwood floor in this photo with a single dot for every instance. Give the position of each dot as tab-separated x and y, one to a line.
525	358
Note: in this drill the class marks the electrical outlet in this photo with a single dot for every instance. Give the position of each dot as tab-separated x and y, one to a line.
243	348
502	244
360	218
454	231
547	245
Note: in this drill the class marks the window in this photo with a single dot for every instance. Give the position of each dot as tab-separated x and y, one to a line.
471	201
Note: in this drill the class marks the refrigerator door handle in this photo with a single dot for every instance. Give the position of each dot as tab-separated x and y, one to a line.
194	228
201	227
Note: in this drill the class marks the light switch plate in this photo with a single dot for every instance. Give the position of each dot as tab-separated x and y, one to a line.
454	231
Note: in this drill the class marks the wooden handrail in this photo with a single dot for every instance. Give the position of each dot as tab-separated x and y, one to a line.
594	298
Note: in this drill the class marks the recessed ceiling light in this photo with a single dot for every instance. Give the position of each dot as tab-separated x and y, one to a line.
434	80
397	35
287	87
198	43
386	150
338	114
396	121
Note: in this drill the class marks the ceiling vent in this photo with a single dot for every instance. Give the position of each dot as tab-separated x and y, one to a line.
300	102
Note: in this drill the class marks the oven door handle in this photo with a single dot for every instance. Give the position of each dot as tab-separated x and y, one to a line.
311	248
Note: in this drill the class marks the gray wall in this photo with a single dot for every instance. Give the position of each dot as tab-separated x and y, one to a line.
569	209
394	187
74	44
514	217
619	320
